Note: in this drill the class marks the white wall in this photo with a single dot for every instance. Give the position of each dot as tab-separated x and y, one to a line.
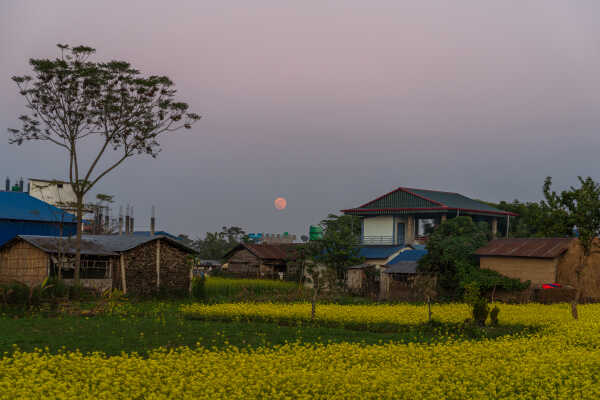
52	193
379	226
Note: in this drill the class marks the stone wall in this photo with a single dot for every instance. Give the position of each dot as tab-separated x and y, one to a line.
140	267
174	268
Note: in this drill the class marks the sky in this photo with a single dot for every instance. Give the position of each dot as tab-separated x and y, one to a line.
328	103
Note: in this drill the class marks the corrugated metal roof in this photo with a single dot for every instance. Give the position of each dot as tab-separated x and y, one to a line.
408	255
23	207
526	247
408	200
160	233
52	244
272	251
120	243
402	267
378	252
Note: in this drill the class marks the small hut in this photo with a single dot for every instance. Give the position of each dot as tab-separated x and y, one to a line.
140	265
261	260
543	261
31	259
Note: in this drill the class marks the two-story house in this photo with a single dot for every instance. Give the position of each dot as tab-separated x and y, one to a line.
407	216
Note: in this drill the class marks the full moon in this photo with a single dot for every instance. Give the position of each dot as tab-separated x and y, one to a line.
280	203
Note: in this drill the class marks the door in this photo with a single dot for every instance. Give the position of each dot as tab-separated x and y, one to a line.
400	234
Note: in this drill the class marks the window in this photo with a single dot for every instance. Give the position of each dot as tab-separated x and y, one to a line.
425	226
91	268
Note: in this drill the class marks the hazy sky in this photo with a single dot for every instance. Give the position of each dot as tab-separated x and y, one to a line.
330	103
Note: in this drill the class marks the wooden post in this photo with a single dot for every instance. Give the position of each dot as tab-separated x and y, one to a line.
444	217
123	281
494	227
507	225
158	264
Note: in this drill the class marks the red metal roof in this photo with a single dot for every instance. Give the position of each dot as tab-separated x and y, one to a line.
526	247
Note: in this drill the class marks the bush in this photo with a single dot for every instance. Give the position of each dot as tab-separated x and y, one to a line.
55	288
16	293
494	315
198	288
480	309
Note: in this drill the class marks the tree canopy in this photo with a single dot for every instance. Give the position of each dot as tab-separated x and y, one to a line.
72	100
450	255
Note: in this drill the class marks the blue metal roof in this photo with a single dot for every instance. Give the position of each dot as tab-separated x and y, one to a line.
378	252
20	206
408	255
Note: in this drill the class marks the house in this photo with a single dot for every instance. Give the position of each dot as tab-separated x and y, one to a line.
261	260
407	216
527	259
148	264
392	278
135	264
22	214
544	261
31	259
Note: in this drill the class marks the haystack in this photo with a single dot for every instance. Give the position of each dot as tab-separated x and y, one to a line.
590	278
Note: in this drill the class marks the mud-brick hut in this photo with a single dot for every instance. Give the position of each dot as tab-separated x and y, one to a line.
148	264
30	259
544	260
261	260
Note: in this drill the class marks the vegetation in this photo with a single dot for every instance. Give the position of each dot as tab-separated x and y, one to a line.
450	254
266	360
72	100
577	209
215	245
327	259
215	289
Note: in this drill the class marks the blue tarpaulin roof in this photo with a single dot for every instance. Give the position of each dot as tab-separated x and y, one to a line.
20	206
408	255
378	252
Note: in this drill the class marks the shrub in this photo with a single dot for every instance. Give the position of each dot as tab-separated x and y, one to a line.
16	293
494	315
198	287
480	309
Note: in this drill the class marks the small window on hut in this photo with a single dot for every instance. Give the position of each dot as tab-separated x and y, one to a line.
91	268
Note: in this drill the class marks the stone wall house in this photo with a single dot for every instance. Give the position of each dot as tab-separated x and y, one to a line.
149	264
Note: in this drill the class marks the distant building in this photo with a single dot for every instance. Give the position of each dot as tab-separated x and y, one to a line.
260	260
407	216
22	214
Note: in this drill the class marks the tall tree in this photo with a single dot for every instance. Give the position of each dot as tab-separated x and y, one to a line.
71	99
333	254
577	208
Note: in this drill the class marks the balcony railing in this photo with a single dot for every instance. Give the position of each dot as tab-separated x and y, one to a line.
381	240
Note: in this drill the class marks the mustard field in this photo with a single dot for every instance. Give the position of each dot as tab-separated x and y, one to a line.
559	360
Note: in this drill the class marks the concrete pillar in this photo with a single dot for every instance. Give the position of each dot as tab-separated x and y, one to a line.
409	235
494	227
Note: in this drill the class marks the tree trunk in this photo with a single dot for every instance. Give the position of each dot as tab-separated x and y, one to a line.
313	309
428	308
78	238
578	272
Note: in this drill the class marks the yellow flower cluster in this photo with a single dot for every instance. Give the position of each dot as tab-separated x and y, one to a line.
562	361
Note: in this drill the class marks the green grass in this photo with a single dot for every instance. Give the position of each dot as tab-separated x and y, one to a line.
227	289
141	327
